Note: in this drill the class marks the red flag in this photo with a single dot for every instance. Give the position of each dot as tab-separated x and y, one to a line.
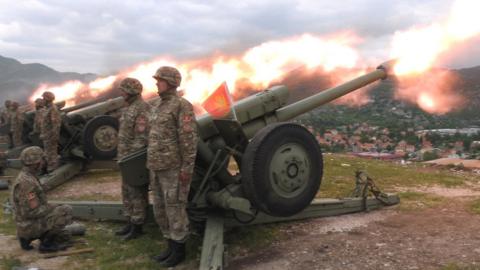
219	103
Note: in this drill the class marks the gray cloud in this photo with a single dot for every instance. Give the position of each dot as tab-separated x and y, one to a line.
105	36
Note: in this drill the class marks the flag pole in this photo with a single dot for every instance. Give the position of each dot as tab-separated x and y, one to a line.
230	99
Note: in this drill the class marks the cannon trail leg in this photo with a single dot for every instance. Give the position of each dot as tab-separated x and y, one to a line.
213	247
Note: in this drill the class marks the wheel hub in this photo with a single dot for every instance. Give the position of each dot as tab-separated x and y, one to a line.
289	170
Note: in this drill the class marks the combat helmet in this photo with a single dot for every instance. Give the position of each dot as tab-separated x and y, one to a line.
131	86
14	105
48	96
39	102
170	74
31	155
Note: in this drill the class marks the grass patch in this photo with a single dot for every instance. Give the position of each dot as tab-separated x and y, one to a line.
113	253
7	225
410	200
9	262
252	237
455	266
474	207
339	175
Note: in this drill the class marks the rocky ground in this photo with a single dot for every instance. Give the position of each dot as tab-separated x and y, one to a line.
433	238
443	236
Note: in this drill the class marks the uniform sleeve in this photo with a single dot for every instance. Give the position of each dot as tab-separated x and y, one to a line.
28	201
141	127
187	137
126	124
55	118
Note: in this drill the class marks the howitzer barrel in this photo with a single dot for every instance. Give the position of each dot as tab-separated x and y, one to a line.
101	108
262	109
310	103
300	107
79	106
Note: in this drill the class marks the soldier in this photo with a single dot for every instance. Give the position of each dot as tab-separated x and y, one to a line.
4	117
50	130
132	136
172	144
5	120
39	109
34	217
16	124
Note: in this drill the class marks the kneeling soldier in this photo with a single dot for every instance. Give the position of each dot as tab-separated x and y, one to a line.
34	217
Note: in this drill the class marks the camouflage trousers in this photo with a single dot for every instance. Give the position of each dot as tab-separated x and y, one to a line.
169	206
17	138
50	146
135	202
54	223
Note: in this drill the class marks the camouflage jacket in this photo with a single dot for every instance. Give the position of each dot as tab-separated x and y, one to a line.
37	121
29	202
50	122
172	141
16	121
133	130
5	116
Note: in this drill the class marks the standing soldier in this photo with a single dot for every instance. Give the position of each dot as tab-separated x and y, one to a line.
172	147
50	130
5	120
4	117
39	109
16	124
132	136
34	217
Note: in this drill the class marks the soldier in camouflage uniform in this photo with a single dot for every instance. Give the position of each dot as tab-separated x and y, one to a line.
5	114
39	109
16	124
34	217
132	136
50	130
172	147
5	120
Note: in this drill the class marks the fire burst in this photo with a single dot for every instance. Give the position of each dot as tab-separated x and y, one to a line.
419	49
416	50
257	67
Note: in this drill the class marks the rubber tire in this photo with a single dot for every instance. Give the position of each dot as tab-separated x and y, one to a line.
88	132
255	169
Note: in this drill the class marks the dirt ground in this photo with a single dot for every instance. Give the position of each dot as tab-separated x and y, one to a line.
467	163
391	238
386	239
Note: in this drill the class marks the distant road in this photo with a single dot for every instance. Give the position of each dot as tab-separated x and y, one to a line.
467	163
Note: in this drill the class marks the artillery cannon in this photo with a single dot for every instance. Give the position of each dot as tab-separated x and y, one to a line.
88	133
280	163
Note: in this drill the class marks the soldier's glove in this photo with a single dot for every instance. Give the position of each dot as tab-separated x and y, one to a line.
184	183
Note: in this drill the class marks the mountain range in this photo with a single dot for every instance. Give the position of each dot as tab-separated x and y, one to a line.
18	81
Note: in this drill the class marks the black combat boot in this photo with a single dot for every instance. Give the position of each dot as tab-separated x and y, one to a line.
177	256
135	231
165	254
47	243
25	243
125	229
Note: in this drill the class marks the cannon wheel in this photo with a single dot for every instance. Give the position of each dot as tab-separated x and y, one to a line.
282	169
100	137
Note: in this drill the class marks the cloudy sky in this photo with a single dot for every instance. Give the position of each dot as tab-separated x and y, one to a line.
107	36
